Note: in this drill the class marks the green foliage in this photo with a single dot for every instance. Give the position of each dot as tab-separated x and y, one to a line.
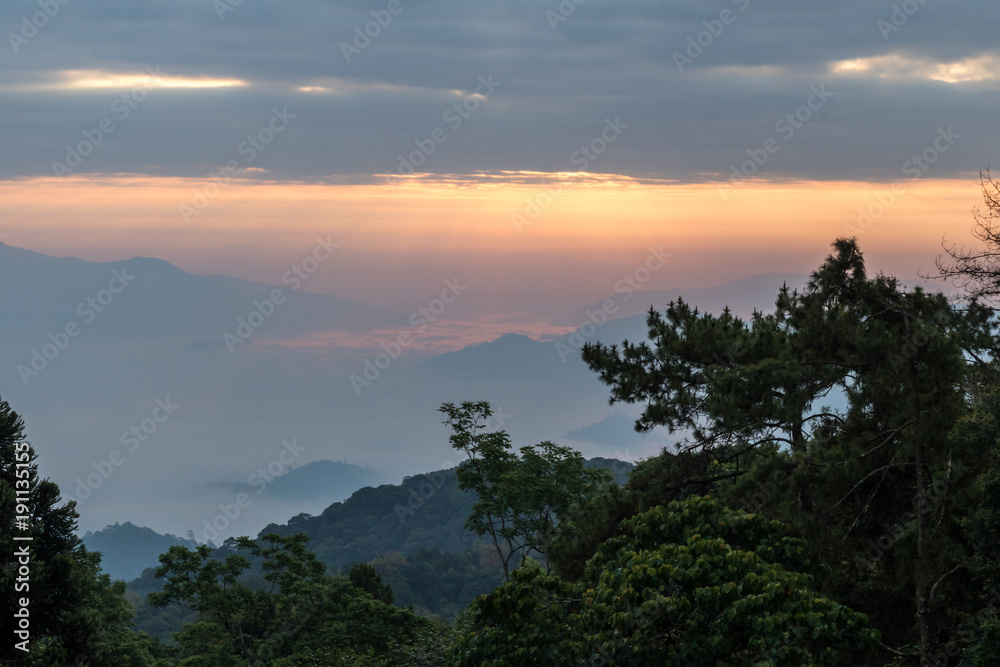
390	524
159	622
440	583
655	481
424	512
299	616
77	615
982	527
594	520
365	577
520	498
985	648
882	489
693	583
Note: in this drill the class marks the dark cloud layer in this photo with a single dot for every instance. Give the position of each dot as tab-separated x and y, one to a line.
559	82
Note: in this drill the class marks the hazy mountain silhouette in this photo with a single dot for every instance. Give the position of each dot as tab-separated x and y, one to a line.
161	339
318	480
509	357
127	549
164	302
616	430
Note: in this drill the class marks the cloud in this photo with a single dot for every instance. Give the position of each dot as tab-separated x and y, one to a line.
984	67
225	73
74	80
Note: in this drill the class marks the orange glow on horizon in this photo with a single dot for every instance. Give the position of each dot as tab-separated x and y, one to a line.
520	232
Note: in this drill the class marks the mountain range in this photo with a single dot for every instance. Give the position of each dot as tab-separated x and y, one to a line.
90	352
413	532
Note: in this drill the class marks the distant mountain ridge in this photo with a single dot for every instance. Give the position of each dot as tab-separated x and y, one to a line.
163	301
161	338
509	357
127	549
424	512
318	480
413	532
514	356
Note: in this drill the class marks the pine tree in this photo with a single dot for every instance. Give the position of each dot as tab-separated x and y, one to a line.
895	461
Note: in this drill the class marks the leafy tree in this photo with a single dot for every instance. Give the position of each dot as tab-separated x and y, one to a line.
982	525
985	649
520	497
230	610
364	576
424	512
748	395
692	583
441	583
655	481
300	616
76	614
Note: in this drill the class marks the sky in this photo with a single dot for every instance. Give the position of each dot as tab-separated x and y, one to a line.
536	149
536	153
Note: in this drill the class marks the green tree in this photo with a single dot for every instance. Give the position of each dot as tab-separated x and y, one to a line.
692	583
520	497
76	615
985	649
300	616
749	396
654	481
364	576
